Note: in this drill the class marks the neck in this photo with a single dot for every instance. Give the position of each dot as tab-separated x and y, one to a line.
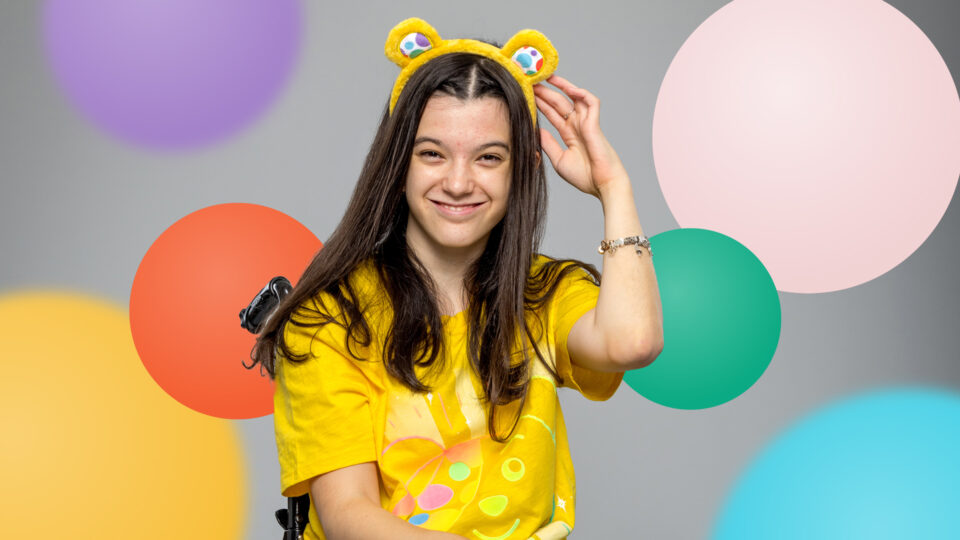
447	267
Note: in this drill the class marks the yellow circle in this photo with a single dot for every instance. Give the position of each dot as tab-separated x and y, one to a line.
510	472
92	447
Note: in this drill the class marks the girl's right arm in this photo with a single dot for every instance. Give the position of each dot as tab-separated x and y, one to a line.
348	503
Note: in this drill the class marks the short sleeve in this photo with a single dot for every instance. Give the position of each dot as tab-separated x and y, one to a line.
575	296
321	408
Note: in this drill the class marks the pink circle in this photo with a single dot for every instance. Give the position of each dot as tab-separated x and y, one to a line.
821	135
434	496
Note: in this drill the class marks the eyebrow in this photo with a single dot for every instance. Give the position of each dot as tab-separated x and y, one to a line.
482	147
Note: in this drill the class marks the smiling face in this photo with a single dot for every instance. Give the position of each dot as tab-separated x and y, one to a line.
459	177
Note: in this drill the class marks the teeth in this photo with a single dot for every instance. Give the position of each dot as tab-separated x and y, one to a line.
451	207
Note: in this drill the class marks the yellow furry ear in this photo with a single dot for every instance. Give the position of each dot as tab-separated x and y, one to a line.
528	55
533	53
409	39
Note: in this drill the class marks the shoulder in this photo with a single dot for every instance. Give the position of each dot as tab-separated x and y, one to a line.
565	288
560	291
361	287
329	316
549	272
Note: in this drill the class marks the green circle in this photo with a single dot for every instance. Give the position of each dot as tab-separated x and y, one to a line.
721	321
507	469
459	471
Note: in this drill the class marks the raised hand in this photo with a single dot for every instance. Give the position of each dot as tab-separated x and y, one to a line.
588	162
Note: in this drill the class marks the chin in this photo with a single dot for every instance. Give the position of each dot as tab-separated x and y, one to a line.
459	243
462	245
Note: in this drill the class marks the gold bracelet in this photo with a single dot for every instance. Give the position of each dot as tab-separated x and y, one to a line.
611	245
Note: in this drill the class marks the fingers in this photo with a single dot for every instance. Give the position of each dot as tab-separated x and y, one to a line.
550	147
572	90
586	104
557	102
551	113
561	83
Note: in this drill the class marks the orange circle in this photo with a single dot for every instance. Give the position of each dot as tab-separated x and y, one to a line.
187	295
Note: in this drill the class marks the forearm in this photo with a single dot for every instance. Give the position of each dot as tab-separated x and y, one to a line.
363	520
628	311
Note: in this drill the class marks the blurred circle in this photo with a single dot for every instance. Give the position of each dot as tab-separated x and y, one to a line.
721	321
172	74
822	135
880	465
187	295
92	448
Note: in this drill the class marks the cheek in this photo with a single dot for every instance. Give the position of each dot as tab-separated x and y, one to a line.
504	203
414	210
408	181
504	187
412	185
418	180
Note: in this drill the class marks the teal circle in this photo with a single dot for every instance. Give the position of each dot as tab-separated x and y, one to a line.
721	321
459	471
876	466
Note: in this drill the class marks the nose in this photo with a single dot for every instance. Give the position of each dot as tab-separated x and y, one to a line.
459	178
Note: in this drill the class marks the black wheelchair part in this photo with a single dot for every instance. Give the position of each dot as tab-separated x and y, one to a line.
294	517
253	316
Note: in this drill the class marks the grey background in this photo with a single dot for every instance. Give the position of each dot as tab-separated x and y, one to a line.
79	209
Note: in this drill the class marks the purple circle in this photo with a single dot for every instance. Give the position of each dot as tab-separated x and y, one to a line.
172	74
422	40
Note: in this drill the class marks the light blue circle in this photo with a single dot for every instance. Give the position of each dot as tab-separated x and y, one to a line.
881	465
524	60
419	519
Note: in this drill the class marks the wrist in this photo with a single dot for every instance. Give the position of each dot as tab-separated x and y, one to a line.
617	188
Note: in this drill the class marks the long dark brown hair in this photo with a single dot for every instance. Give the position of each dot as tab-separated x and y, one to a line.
501	290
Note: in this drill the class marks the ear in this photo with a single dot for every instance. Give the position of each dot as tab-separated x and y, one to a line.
533	53
408	39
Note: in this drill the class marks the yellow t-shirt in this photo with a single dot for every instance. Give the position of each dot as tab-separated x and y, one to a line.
439	468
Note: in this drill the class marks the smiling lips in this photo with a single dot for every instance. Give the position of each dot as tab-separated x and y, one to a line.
456	209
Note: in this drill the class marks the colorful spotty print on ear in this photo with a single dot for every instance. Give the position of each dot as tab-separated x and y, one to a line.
528	55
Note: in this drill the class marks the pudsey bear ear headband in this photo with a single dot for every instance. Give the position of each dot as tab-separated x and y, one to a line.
528	55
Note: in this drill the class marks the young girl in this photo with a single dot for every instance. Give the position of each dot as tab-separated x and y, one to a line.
417	360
